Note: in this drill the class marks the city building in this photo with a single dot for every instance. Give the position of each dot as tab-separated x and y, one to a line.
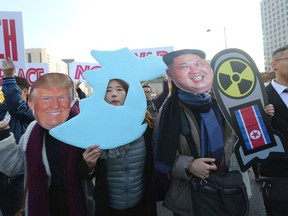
40	55
274	15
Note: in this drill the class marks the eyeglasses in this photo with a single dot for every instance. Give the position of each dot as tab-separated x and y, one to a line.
147	92
281	59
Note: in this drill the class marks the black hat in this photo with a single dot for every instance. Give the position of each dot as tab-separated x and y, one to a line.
168	58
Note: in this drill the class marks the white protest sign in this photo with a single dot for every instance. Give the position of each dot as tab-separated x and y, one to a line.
11	38
158	51
76	69
31	72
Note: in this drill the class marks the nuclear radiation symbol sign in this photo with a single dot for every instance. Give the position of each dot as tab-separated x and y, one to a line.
235	78
241	95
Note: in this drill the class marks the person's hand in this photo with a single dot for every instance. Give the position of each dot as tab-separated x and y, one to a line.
4	125
201	167
91	155
269	110
78	84
165	77
8	67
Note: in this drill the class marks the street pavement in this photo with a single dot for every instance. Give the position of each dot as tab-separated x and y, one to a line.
256	202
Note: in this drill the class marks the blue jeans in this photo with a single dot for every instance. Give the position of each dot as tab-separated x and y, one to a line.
11	194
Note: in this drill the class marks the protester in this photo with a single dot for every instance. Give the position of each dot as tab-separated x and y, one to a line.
153	105
54	185
16	111
124	174
189	106
277	168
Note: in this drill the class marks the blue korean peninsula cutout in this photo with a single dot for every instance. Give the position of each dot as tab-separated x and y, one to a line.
107	125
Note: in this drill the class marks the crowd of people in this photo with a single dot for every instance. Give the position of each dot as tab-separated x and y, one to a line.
61	179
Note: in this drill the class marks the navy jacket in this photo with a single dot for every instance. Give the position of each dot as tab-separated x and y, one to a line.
21	115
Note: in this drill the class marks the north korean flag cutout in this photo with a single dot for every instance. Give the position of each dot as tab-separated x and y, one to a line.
241	95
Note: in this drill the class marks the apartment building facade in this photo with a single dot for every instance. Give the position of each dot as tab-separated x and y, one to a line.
274	15
40	55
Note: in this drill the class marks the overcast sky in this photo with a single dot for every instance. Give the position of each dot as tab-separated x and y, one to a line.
71	29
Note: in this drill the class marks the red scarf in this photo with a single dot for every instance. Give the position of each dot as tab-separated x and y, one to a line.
38	179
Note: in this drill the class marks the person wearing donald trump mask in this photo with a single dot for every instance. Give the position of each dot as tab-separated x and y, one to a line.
54	186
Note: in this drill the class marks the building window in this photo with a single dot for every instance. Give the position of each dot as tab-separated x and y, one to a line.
29	58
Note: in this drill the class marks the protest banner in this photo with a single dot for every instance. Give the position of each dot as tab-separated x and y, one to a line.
76	69
11	38
31	72
158	51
